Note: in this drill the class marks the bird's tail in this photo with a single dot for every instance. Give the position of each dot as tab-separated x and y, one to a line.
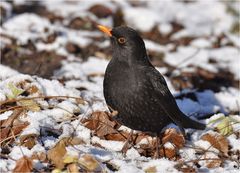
189	123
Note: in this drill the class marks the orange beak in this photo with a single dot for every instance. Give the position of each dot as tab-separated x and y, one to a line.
105	30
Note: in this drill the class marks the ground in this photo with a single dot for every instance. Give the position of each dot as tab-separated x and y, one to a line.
53	115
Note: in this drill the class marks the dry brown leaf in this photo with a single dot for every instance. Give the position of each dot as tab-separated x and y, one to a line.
10	121
168	153
117	136
171	135
89	163
30	105
73	141
28	140
100	122
214	163
187	169
23	165
56	154
32	89
151	169
41	156
72	168
10	131
218	141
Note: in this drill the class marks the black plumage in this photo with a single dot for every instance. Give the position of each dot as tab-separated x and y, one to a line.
134	88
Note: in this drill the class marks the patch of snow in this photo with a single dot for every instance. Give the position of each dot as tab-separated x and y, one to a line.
6	72
201	43
26	26
140	18
55	88
162	165
229	98
234	142
132	153
205	145
19	151
165	28
81	131
109	145
150	45
5	115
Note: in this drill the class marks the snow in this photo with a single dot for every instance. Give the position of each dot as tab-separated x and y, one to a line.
146	18
132	153
200	58
5	115
6	72
17	152
201	43
234	142
28	26
54	88
110	145
165	28
162	165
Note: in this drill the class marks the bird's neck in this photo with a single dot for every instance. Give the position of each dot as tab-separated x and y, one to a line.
127	59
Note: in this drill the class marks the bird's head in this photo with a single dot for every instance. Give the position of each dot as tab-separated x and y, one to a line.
126	43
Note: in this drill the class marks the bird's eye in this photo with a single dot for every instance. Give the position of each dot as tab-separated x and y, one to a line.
121	40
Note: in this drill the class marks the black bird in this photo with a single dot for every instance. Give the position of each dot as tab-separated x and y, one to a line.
136	90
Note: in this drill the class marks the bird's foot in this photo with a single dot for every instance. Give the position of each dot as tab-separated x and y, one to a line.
159	145
128	144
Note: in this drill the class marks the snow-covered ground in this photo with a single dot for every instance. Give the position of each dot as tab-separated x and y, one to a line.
195	45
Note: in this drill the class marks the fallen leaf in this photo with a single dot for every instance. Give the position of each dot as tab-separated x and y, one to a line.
30	105
10	121
169	153
214	163
70	159
225	126
89	163
73	141
151	169
23	165
56	154
8	132
56	171
28	140
121	136
218	141
101	124
185	168
14	91
72	168
41	156
32	89
171	135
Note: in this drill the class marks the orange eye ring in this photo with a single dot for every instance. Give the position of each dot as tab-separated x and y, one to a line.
121	40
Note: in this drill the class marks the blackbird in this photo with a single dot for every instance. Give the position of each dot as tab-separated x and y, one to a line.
136	90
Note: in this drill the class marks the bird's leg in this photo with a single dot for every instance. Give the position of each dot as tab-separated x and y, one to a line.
162	145
182	130
156	155
159	145
128	143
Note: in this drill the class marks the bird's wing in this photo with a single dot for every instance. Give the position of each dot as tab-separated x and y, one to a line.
168	103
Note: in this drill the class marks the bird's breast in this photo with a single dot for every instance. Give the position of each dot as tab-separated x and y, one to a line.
124	87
